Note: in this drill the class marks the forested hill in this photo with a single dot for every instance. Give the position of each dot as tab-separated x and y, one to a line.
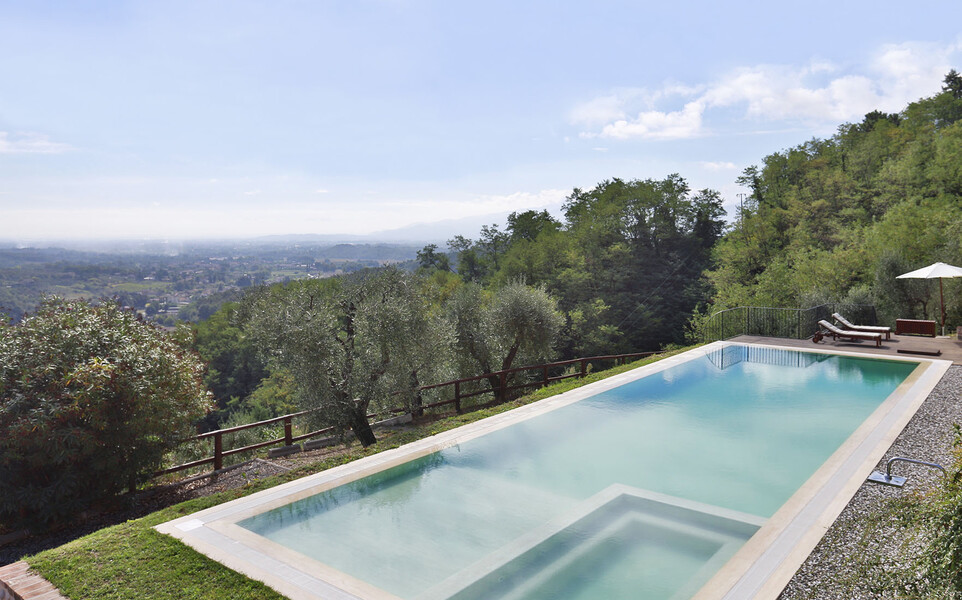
837	219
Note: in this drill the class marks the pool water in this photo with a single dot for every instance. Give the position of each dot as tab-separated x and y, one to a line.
738	430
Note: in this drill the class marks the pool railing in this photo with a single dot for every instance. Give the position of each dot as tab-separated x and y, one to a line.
767	321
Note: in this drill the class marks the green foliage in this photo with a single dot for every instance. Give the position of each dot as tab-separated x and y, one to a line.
131	561
90	400
205	307
626	265
430	259
935	522
498	329
841	217
235	367
348	343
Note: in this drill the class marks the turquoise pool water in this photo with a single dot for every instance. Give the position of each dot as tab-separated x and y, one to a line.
738	430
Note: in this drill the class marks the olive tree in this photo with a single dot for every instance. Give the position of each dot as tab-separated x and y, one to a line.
91	398
495	330
349	343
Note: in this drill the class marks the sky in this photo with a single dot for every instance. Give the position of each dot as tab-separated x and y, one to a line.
226	119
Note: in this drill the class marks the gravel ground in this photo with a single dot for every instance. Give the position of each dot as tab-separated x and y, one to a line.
851	561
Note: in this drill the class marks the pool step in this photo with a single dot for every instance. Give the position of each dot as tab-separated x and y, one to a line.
618	518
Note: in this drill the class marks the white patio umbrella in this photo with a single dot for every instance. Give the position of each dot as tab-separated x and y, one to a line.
932	271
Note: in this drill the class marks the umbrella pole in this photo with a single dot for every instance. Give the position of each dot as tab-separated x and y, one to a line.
942	305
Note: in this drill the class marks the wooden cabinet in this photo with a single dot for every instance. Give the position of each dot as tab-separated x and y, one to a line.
914	327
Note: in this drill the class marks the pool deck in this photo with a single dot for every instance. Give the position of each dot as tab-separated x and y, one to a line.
950	347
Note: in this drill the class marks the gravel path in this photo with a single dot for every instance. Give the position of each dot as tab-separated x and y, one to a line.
849	563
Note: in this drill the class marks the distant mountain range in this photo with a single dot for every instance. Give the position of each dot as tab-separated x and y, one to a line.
436	232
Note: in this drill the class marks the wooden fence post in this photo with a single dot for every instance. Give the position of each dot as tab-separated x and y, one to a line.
457	397
218	451
584	368
288	432
545	376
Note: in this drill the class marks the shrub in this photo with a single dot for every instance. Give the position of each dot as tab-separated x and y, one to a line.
90	400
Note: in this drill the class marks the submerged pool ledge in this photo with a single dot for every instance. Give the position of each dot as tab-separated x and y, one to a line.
759	569
565	544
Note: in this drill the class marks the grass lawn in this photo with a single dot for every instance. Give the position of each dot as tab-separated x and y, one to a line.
132	561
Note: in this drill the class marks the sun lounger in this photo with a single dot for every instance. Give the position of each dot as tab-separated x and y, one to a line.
869	328
836	333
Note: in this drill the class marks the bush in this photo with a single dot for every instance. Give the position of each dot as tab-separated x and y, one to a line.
90	400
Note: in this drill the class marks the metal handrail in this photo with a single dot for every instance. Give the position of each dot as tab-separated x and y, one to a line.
894	480
888	465
770	321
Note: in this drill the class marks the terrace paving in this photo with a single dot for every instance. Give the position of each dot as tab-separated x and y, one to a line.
950	347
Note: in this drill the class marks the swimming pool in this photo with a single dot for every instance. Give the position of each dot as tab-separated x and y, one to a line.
646	484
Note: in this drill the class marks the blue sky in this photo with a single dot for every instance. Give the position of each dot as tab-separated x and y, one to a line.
232	119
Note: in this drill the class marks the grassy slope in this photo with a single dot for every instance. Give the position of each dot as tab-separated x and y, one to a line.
132	561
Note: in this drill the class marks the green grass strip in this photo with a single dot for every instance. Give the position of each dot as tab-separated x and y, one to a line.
132	561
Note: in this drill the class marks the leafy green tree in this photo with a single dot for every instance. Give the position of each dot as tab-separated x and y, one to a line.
348	343
953	84
497	330
530	224
645	245
235	366
91	399
471	264
429	258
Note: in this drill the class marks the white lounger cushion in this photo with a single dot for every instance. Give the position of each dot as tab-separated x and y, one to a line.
851	327
849	333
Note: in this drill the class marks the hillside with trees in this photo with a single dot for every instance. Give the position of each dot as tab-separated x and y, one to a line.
838	219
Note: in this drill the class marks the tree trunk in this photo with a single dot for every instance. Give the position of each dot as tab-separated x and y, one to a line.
362	428
499	394
417	401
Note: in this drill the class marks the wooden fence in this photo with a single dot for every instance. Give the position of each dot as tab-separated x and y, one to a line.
501	390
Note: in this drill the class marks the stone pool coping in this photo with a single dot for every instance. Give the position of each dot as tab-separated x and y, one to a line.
759	570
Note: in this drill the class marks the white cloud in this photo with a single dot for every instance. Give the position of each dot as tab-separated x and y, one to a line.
653	124
29	143
322	191
719	166
252	193
819	93
907	71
